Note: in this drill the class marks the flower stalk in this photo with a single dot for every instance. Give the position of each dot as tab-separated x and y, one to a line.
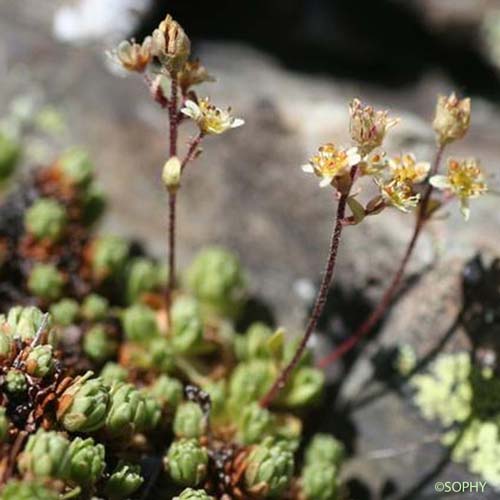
321	298
379	311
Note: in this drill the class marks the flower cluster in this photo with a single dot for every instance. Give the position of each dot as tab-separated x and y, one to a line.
398	177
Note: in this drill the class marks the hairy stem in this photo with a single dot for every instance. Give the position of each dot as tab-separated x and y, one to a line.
193	148
172	199
393	287
319	305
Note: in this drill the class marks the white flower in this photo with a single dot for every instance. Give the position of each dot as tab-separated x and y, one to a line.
398	194
405	168
464	179
331	162
210	119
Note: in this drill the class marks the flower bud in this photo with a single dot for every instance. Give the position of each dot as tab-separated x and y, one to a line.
40	361
23	490
324	448
64	312
98	345
44	454
76	167
320	482
94	307
189	421
368	126
168	391
4	425
142	277
171	174
84	463
139	323
83	405
109	254
171	44
217	280
10	154
187	325
46	282
15	381
254	423
45	219
269	469
124	481
113	372
186	462
305	387
452	118
190	494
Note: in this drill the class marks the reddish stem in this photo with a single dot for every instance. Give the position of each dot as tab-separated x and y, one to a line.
319	305
192	150
393	287
172	200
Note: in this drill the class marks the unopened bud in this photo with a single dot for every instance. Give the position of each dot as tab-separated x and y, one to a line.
452	118
171	174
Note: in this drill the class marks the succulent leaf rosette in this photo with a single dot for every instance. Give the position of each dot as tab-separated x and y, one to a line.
84	405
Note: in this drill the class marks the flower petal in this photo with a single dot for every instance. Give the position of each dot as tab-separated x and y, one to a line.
308	168
440	182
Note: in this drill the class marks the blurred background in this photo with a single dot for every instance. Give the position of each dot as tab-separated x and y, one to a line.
289	68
